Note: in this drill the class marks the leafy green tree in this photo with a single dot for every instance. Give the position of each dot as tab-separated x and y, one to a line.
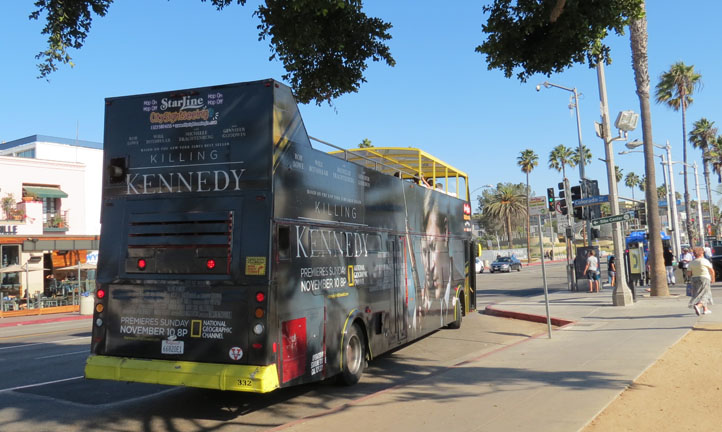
324	45
631	181
715	157
527	160
366	143
675	89
642	183
576	157
702	135
560	157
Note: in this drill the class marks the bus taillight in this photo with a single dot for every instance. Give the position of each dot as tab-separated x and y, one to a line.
260	297
258	329
257	346
259	313
142	264
100	293
210	264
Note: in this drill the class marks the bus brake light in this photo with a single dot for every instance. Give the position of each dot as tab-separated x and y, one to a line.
260	297
210	264
257	346
142	264
100	293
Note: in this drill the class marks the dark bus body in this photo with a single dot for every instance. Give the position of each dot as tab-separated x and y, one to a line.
235	256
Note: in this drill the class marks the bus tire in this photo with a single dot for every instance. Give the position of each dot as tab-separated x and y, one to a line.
456	324
354	356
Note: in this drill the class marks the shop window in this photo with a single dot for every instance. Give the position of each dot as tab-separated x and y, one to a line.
9	255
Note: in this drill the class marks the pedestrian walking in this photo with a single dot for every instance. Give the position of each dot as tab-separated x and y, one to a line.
612	270
702	274
592	271
684	261
669	265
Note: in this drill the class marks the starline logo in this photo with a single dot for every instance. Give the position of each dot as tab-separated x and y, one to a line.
185	103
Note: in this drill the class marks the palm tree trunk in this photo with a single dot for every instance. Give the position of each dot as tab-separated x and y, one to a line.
638	38
508	230
528	222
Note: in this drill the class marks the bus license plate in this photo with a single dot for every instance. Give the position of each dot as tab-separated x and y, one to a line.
171	347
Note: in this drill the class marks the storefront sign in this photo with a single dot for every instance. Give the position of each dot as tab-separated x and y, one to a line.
8	229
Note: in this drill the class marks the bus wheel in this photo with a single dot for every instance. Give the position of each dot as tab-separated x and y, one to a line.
457	312
354	357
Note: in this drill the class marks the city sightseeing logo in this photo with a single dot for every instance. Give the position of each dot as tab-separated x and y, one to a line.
188	109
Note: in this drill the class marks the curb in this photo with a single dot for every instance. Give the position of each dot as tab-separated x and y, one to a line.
492	311
45	321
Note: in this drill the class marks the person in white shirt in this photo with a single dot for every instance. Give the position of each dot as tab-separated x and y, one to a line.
592	271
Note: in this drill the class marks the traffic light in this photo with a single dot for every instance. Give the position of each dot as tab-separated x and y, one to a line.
595	211
550	200
577	195
562	201
642	215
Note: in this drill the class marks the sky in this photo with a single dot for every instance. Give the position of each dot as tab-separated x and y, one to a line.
439	97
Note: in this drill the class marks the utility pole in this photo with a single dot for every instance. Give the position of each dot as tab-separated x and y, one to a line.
622	296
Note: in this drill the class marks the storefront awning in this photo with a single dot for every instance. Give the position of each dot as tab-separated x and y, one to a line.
44	192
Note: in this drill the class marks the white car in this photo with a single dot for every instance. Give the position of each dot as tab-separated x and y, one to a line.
479	265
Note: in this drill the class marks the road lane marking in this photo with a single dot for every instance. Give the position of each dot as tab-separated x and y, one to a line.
85	351
39	384
28	335
43	343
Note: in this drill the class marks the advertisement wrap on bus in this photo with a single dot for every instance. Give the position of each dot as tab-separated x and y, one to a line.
235	256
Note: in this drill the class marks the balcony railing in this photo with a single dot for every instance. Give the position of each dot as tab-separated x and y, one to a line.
56	223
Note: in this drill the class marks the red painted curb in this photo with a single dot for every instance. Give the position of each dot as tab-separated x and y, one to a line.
45	321
559	322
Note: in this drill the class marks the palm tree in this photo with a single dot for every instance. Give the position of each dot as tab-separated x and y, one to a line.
505	204
618	173
715	157
631	181
366	143
587	155
560	157
638	42
702	135
675	89
643	183
527	160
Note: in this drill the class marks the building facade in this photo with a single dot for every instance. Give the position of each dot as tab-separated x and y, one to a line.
50	191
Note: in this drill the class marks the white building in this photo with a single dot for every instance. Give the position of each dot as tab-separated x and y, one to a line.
50	191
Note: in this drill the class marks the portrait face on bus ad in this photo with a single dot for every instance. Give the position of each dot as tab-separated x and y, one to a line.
434	250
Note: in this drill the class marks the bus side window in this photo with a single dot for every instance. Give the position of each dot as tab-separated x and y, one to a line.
284	242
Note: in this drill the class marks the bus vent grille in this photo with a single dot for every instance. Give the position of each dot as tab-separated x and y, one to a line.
191	229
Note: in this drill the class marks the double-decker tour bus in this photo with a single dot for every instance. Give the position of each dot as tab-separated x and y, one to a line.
235	256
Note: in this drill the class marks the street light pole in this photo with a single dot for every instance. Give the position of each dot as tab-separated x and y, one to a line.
700	223
622	296
582	175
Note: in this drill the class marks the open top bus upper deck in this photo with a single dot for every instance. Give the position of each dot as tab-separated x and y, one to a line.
410	164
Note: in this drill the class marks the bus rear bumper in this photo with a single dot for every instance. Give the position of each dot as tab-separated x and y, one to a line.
245	378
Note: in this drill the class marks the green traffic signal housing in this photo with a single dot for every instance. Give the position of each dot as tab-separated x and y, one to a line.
551	199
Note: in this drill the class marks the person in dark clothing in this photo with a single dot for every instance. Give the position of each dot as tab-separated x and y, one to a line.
669	265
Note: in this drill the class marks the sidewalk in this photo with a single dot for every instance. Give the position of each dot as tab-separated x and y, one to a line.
41	319
555	385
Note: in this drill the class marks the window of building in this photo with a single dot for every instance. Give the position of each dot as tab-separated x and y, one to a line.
30	153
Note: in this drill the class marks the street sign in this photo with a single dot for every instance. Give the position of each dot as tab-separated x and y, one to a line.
591	200
612	219
663	203
537	206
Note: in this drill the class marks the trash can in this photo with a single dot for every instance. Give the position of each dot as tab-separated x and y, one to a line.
86	304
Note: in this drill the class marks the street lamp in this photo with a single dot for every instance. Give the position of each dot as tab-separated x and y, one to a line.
673	202
575	95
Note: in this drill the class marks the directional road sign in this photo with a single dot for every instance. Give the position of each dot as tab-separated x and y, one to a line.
591	200
612	219
537	206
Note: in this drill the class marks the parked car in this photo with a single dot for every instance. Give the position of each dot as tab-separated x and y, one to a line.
505	264
479	263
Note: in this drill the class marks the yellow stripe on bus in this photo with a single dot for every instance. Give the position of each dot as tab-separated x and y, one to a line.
244	378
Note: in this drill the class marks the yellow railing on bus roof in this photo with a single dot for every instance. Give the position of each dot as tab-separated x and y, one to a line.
406	162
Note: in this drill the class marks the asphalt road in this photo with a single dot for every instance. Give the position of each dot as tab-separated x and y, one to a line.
42	388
